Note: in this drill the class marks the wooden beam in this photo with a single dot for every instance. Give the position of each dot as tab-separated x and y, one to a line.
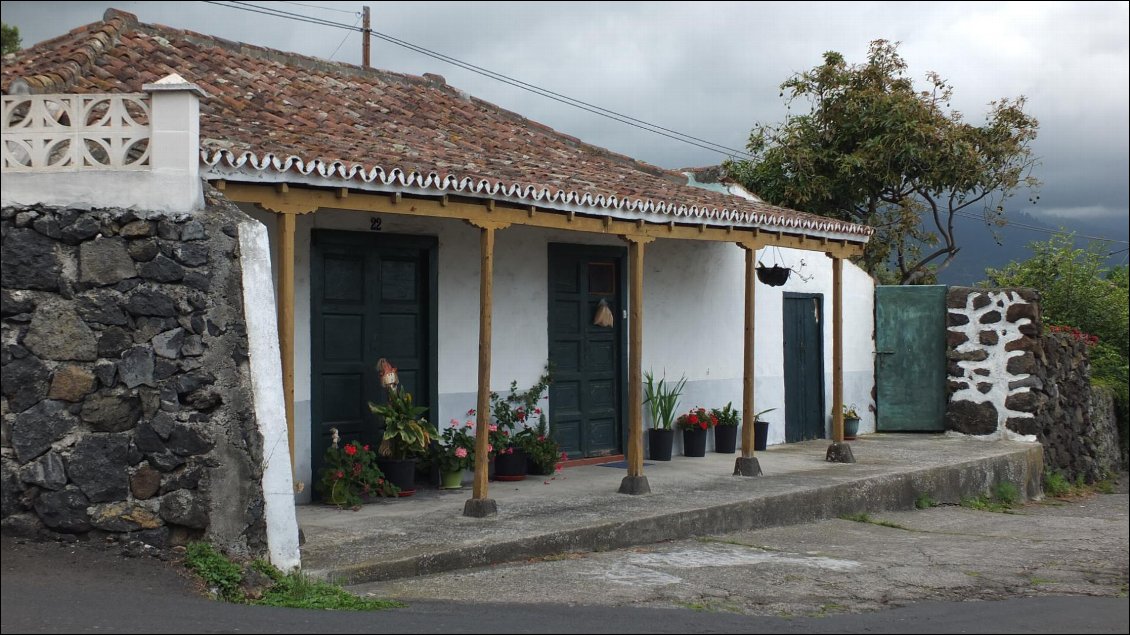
482	406
635	354
837	350
302	200
285	250
748	348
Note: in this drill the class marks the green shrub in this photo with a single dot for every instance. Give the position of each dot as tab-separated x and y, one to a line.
219	573
1056	484
924	501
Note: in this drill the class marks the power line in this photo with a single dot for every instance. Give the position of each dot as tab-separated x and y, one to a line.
1037	228
344	39
318	6
537	90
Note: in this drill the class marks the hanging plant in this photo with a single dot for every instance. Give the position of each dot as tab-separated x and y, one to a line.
774	276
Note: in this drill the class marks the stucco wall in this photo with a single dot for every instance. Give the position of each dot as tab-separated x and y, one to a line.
693	316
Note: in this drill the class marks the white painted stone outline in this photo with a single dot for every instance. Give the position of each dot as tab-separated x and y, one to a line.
997	361
267	390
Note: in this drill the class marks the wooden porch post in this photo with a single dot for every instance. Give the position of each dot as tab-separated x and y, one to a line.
479	506
286	320
838	452
747	464
635	482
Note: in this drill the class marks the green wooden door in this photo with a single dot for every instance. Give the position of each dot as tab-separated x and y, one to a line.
803	339
372	296
910	358
586	405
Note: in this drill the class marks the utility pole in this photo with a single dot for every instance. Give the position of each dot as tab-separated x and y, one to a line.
366	36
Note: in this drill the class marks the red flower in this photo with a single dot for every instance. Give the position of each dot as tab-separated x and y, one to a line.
340	474
693	419
703	425
351	449
366	447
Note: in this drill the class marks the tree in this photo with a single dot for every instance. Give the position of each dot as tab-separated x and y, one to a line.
874	150
10	36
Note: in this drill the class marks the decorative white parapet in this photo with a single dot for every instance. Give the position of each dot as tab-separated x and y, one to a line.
135	151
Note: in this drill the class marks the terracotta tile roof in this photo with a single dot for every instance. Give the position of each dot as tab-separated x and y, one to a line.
290	115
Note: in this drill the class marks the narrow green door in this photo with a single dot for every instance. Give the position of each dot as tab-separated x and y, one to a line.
586	397
910	358
372	296
803	339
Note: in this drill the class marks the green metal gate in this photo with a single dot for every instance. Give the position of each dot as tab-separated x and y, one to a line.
910	358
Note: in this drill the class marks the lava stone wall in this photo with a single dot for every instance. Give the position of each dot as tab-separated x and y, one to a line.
127	404
1007	376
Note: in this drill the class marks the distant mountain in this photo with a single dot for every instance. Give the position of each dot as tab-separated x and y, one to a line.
983	247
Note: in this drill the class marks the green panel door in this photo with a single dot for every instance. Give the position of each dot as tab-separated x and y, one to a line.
803	339
372	296
589	381
910	358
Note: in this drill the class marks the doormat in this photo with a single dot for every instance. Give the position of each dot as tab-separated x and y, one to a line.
620	464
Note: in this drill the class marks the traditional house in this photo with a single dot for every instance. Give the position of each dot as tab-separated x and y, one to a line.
471	246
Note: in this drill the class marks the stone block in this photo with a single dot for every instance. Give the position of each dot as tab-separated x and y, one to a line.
124	516
58	333
64	510
186	508
24	382
145	483
104	262
47	472
30	260
71	383
35	429
99	466
111	411
968	417
136	367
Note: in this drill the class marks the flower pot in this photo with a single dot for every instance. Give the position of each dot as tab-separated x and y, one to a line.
659	443
774	276
401	473
851	429
452	479
511	466
725	439
694	442
534	468
760	435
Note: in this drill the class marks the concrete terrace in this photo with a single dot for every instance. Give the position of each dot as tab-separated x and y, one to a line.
580	509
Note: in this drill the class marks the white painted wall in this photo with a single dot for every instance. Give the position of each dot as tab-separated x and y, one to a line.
693	316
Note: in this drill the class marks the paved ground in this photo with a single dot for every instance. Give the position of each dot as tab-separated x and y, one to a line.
580	510
949	553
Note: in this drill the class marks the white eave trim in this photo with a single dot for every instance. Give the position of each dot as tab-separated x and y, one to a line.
248	167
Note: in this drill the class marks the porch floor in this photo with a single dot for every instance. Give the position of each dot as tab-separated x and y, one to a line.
579	509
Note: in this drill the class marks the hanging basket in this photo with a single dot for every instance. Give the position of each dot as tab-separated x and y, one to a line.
774	276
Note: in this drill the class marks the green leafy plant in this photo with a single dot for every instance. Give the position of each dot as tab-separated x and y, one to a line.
924	501
757	415
221	575
458	449
1056	484
728	415
407	433
663	399
515	410
350	473
696	419
540	448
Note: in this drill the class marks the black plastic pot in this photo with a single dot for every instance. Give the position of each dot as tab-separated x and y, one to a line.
725	439
774	276
659	443
760	435
510	467
400	473
694	442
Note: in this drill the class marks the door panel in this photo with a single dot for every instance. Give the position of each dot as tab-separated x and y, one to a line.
589	381
910	358
372	296
803	340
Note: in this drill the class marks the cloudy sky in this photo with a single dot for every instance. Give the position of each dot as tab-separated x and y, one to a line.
713	70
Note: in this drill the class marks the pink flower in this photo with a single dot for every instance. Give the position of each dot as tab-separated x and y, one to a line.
340	474
471	412
461	452
537	411
490	447
493	428
454	423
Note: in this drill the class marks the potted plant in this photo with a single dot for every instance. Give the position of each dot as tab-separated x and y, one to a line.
694	425
509	413
350	475
726	428
761	431
663	400
456	454
851	423
543	454
407	436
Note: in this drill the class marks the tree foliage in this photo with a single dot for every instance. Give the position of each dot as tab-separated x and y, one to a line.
1076	288
9	38
874	150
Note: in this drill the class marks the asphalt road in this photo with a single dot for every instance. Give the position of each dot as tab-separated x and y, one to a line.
1049	568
